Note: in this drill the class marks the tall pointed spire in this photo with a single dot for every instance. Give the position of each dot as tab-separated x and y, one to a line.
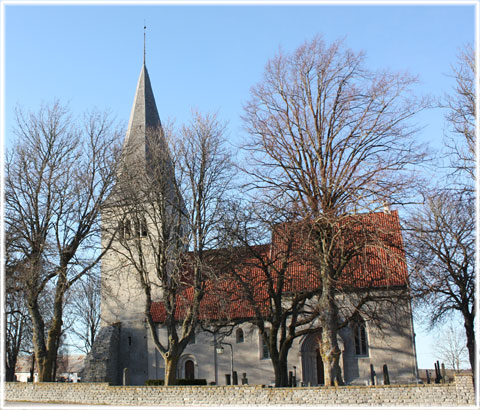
144	117
145	146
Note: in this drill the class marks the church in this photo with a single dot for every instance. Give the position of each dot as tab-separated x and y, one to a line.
124	341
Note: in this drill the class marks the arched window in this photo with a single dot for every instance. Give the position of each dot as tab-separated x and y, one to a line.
124	229
360	337
189	370
239	336
141	228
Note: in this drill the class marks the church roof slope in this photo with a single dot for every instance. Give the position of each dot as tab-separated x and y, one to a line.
381	264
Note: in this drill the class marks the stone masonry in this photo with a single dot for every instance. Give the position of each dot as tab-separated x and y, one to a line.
458	393
101	364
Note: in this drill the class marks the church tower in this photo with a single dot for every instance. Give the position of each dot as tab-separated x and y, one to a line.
123	339
122	297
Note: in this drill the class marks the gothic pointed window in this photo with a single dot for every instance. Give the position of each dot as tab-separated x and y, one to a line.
360	337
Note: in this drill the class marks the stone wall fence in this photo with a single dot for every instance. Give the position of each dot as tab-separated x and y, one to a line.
458	393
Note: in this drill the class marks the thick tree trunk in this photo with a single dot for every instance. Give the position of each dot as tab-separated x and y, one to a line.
171	362
40	349
330	353
45	369
329	349
470	333
46	352
32	368
281	372
10	370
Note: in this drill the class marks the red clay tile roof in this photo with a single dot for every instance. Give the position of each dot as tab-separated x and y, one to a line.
380	264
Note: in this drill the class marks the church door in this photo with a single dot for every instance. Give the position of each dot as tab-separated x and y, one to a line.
189	370
320	370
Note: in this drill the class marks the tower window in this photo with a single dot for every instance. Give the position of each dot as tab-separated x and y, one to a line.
140	228
126	232
125	229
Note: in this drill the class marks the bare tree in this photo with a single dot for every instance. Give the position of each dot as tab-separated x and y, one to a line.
442	249
441	252
461	108
274	276
330	138
18	330
85	310
261	283
450	346
57	177
166	216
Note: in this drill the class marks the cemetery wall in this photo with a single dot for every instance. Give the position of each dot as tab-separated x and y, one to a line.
458	393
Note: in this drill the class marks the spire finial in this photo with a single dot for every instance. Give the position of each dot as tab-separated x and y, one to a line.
144	40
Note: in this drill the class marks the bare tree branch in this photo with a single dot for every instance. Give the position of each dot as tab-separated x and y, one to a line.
441	253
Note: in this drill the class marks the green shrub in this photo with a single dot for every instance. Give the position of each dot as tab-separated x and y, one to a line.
180	382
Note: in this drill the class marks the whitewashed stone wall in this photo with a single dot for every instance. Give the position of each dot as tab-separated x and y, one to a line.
391	343
459	393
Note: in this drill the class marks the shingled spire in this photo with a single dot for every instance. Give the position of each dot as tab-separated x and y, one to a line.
144	121
145	148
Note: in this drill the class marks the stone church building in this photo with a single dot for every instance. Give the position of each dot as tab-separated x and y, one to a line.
124	341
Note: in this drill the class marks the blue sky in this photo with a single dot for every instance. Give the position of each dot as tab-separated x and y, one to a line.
208	57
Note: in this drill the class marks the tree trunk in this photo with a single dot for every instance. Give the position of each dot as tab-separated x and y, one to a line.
281	372
54	369
12	350
330	353
328	348
40	349
10	370
45	369
47	353
171	362
32	368
470	333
